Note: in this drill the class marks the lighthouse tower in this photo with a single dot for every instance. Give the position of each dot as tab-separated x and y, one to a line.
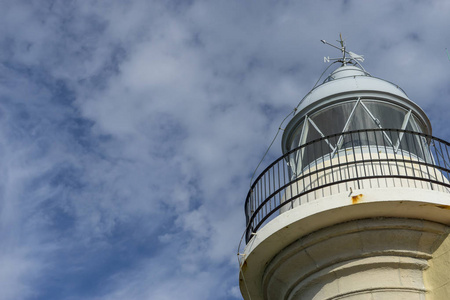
358	205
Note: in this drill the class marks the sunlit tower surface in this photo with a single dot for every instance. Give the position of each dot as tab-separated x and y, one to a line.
358	206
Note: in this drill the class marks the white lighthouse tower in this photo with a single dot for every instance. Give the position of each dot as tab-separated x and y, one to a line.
358	206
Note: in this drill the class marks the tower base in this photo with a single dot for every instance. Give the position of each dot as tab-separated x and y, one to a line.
383	258
379	247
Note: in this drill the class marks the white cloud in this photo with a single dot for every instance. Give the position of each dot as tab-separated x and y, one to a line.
129	131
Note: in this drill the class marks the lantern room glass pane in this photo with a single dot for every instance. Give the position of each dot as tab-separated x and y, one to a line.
331	120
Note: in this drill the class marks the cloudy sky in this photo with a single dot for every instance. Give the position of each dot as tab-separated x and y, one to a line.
129	130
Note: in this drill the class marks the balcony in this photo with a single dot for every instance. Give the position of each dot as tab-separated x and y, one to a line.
341	163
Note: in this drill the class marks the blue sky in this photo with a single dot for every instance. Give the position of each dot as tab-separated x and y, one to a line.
129	130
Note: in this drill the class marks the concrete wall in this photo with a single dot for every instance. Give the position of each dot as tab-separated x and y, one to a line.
437	276
381	258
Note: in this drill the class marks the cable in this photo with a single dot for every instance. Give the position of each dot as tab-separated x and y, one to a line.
262	159
267	151
245	282
279	129
240	266
319	79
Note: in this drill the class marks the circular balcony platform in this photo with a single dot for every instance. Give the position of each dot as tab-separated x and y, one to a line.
344	163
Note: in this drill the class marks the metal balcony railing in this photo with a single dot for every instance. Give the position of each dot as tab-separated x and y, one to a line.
375	158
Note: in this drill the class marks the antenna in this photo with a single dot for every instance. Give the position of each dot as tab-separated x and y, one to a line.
341	41
344	60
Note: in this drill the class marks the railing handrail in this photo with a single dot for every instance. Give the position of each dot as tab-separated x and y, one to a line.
441	166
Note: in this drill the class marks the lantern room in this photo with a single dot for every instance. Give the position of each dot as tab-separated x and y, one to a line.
350	99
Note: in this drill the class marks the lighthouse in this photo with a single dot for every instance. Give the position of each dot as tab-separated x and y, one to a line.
358	204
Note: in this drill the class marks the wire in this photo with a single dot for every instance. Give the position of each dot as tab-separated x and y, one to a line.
267	151
240	266
239	247
245	282
320	78
281	124
270	146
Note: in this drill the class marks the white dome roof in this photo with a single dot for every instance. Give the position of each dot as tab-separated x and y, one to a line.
350	80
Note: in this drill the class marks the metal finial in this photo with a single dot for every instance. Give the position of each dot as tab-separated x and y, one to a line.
341	41
344	60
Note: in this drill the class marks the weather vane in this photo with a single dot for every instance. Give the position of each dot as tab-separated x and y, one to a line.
344	59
